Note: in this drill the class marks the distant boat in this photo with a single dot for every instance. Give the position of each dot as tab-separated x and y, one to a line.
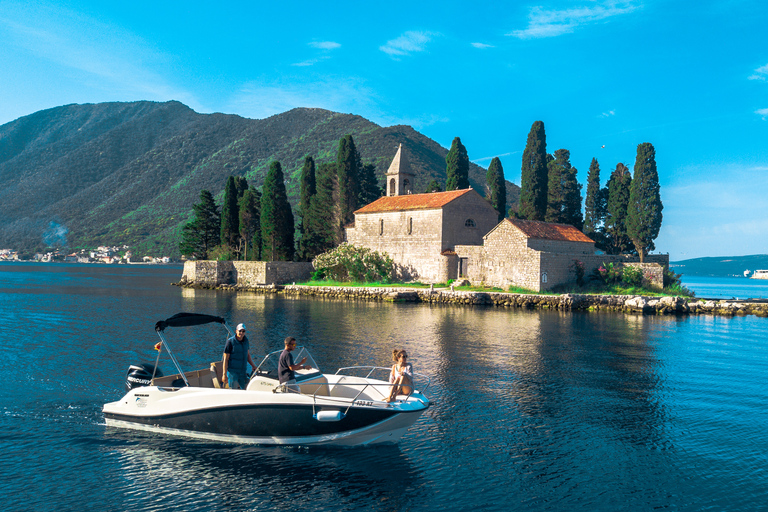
747	272
760	274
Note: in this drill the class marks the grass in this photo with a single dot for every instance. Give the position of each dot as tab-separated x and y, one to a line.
591	288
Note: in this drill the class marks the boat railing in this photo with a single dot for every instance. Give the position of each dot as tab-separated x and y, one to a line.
417	377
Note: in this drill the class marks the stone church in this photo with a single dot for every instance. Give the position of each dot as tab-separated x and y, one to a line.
440	236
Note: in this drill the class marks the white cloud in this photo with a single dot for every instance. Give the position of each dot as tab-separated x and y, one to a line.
761	73
762	112
482	46
551	23
610	113
408	43
325	45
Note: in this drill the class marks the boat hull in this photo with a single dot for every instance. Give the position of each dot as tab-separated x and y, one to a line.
262	418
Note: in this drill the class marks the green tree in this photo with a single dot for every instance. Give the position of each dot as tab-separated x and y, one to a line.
369	185
497	187
307	191
348	178
644	208
617	241
201	234
533	181
434	186
321	222
241	185
563	191
457	166
230	229
250	224
276	217
594	207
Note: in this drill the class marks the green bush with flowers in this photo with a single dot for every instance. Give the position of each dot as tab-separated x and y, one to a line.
348	263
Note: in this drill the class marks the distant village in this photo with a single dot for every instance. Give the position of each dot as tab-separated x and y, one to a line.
109	255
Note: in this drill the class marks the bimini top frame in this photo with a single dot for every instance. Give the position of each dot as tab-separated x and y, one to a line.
184	320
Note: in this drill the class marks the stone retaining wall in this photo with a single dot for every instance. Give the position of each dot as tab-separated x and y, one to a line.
637	304
208	274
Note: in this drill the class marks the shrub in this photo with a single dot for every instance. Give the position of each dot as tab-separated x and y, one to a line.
632	276
608	274
578	268
349	263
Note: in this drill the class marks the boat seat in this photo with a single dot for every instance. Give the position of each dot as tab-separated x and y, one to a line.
217	367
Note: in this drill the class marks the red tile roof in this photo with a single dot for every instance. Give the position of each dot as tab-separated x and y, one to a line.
550	231
430	201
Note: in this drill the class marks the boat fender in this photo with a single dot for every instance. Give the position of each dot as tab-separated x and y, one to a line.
329	416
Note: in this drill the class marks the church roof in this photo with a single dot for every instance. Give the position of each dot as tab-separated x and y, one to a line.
550	231
431	201
400	164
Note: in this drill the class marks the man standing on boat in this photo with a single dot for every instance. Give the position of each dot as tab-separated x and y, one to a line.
235	360
285	367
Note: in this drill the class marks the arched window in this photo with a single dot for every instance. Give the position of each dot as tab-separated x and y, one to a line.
469	223
409	228
392	187
381	227
406	185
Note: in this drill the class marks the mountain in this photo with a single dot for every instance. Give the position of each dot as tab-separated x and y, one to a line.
720	266
129	173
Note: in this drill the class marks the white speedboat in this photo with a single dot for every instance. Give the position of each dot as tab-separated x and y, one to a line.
346	408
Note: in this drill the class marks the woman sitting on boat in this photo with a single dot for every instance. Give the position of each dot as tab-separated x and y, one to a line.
401	376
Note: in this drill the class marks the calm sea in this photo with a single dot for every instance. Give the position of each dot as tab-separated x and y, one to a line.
533	410
727	287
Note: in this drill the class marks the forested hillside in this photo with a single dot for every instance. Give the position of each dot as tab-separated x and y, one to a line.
129	173
720	266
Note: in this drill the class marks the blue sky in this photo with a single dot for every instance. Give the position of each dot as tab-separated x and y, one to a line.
689	77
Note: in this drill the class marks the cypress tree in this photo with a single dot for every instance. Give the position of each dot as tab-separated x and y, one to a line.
369	185
241	185
348	179
307	191
616	239
533	181
201	234
497	187
563	191
594	207
250	224
644	208
321	222
230	229
276	217
457	166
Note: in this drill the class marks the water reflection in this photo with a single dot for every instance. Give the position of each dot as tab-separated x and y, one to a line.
230	477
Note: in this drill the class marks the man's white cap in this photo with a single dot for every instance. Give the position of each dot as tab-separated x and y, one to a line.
240	327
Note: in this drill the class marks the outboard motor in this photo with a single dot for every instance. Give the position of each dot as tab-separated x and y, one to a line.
140	375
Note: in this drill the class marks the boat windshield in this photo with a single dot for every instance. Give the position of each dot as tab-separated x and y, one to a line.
268	365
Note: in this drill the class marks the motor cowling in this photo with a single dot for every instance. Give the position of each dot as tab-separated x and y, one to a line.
140	375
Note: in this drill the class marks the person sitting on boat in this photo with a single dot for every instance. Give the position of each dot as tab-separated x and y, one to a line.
286	370
235	360
401	376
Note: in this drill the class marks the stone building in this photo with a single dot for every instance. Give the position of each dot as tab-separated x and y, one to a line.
441	236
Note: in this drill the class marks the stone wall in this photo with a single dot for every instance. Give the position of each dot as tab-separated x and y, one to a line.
244	273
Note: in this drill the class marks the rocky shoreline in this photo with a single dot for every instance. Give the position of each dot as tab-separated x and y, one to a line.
635	304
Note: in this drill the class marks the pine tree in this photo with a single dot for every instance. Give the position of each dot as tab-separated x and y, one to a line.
230	229
644	208
276	217
202	234
320	229
497	187
250	224
457	166
348	179
616	239
563	191
533	181
308	189
594	207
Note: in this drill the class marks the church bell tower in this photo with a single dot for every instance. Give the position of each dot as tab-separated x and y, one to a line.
399	175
